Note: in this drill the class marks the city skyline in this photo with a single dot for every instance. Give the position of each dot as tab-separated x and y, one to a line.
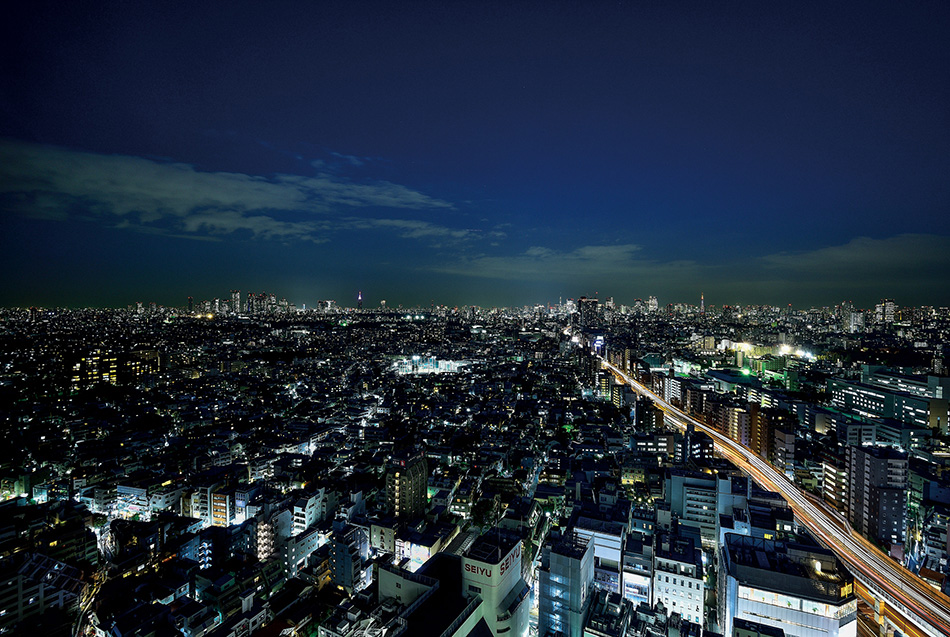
489	154
265	301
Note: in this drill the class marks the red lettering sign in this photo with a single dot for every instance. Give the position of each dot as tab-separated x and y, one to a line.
478	570
511	559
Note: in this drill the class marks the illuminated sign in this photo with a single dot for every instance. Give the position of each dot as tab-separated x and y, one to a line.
505	567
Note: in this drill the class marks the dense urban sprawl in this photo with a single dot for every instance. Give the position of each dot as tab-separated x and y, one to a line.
247	467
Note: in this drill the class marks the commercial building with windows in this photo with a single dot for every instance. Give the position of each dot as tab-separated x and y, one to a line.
678	573
873	401
803	590
480	593
929	386
492	570
638	568
565	581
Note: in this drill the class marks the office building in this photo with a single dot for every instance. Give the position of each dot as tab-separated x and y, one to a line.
874	401
588	311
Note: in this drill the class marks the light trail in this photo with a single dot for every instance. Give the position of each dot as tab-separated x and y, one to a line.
906	595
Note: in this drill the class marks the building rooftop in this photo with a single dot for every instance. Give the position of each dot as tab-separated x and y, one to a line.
810	572
492	546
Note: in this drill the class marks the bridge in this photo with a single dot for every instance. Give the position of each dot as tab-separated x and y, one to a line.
902	602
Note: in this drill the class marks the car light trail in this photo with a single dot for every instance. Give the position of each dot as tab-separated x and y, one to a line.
904	592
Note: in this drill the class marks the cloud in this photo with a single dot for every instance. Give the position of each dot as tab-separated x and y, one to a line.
868	257
350	159
175	198
586	263
909	267
224	222
413	229
914	265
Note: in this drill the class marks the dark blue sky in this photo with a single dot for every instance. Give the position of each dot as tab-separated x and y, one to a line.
475	152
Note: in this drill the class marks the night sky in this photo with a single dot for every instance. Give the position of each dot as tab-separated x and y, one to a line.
488	153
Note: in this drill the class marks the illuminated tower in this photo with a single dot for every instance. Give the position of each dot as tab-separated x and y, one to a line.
702	304
359	300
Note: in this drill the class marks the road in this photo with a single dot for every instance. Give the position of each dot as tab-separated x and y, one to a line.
907	596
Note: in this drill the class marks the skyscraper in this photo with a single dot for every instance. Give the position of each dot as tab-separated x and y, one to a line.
884	312
587	308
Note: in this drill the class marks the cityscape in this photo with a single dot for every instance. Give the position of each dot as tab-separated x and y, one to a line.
244	466
534	318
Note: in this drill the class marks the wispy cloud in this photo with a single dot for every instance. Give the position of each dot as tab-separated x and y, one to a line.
593	263
352	160
863	255
909	264
411	228
176	198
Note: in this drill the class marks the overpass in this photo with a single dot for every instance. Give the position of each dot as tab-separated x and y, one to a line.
900	599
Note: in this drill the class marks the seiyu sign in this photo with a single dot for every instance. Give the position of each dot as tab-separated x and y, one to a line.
494	572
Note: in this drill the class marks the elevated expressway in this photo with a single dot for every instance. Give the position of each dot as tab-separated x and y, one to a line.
900	599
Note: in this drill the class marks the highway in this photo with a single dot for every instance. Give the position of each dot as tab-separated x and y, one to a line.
913	599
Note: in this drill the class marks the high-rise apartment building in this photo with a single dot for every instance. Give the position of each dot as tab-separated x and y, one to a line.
407	484
97	366
877	492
